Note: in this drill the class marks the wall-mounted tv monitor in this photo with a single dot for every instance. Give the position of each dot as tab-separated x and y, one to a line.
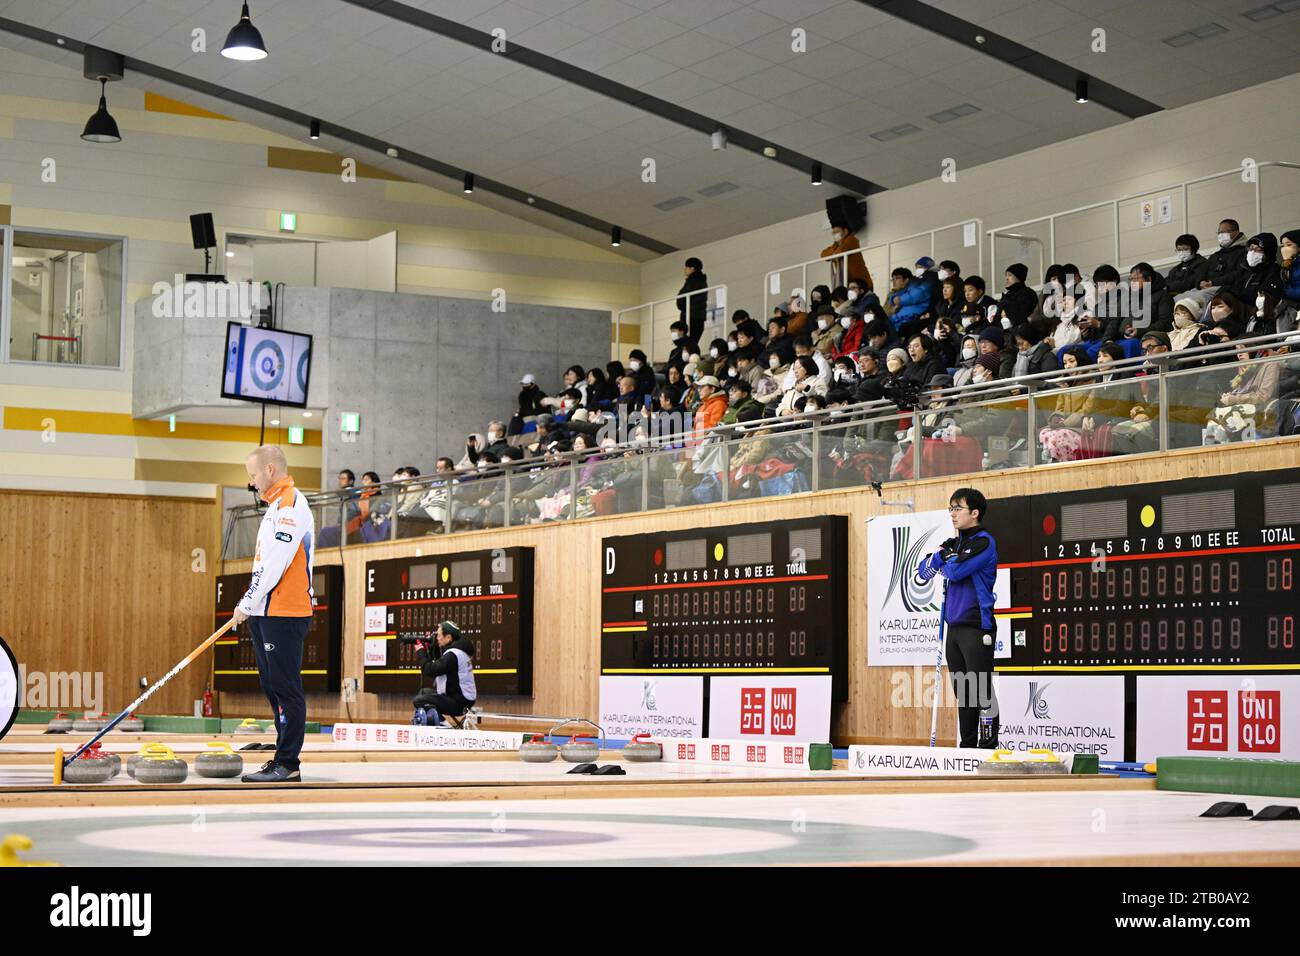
266	365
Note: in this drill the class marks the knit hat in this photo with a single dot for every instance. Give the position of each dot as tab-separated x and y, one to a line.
1193	306
1019	270
898	354
925	262
1154	335
993	334
990	363
708	380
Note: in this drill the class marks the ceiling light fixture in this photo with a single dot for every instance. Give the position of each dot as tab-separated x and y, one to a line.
718	139
469	182
1081	89
616	236
816	174
101	127
315	129
244	41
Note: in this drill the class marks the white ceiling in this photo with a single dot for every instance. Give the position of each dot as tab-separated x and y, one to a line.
729	59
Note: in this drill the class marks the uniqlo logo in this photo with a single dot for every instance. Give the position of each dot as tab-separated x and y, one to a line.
381	736
787	754
403	736
686	751
783	711
1259	721
1207	720
753	710
749	753
340	733
681	751
726	752
798	755
760	754
715	752
361	734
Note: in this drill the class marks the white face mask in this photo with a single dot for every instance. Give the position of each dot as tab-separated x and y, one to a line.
918	272
967	320
1225	240
732	346
1182	320
686	355
1006	323
943	274
979	378
634	365
494	436
968	354
713	353
774	362
1259	303
853	295
677	337
846	321
1254	258
823	323
1184	255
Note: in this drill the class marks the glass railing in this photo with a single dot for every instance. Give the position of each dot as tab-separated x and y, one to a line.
1248	390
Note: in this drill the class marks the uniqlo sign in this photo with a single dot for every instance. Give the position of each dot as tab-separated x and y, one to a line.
1259	721
1207	720
756	718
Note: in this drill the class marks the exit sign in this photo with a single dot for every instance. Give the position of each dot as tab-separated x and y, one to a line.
288	221
295	435
350	422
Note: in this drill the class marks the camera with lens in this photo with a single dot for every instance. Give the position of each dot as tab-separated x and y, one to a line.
905	395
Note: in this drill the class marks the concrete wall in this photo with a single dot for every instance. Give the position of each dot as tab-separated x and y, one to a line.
422	371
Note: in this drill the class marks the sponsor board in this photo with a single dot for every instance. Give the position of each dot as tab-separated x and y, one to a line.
743	753
665	707
889	761
399	736
771	708
903	610
1067	715
1218	716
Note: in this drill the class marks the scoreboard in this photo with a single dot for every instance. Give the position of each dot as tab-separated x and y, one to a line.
487	594
236	666
1189	575
768	599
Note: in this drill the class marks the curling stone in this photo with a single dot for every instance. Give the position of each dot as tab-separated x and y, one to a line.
642	750
114	759
581	748
89	723
134	760
131	724
249	726
220	762
538	750
1043	761
91	767
60	724
1002	762
161	766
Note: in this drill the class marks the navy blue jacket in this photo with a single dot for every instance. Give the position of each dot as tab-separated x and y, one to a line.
971	574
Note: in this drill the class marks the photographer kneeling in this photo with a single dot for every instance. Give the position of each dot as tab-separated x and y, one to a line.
452	670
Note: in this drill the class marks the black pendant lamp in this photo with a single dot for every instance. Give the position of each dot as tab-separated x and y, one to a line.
244	41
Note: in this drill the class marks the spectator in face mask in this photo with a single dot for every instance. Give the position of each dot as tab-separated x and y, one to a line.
712	360
804	348
683	348
495	443
978	311
1192	266
819	296
855	327
639	368
992	342
947	342
1111	308
1186	328
949	270
840	301
1227	312
1260	274
878	333
1290	270
966	361
843	241
1229	258
780	347
1018	300
923	272
844	373
986	369
828	332
859	297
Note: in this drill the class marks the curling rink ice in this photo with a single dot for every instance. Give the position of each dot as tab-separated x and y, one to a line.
1123	828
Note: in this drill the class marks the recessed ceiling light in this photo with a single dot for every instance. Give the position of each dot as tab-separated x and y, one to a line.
392	151
769	152
306	414
60	41
230	253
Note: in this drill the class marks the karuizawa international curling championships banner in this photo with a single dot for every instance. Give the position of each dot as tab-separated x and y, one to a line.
903	610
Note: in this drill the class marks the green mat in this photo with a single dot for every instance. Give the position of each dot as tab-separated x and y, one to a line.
1266	778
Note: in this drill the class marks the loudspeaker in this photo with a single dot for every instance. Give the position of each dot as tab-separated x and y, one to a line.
847	212
204	233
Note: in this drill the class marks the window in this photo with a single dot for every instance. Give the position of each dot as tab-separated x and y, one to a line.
65	299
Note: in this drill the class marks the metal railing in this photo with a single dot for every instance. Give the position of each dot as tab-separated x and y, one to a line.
1052	220
880	282
1175	401
714	317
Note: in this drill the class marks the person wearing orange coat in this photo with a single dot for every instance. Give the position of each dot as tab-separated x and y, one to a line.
713	405
846	241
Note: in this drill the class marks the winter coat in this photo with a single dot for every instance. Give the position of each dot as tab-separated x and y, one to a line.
909	302
1225	263
1187	276
1018	303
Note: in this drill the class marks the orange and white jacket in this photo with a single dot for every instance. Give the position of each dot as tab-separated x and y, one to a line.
282	565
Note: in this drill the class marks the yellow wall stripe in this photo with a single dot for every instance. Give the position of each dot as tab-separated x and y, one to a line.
111	423
319	161
157	103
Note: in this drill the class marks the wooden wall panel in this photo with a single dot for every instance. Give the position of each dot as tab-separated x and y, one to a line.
105	583
567	579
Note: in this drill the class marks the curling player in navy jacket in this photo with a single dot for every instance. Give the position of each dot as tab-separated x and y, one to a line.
969	562
453	692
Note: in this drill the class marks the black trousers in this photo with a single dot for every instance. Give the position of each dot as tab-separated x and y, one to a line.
444	704
970	667
277	643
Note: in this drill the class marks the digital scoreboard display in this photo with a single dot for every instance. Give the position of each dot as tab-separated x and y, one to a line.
768	598
1190	575
322	652
487	594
